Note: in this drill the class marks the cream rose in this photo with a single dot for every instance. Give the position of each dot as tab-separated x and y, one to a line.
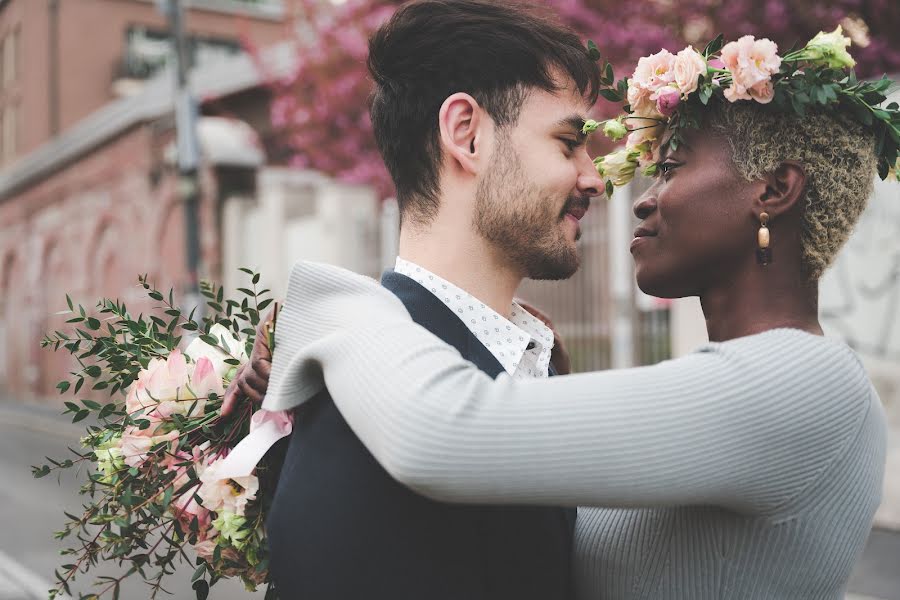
687	68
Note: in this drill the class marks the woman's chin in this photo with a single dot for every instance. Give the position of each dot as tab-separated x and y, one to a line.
658	285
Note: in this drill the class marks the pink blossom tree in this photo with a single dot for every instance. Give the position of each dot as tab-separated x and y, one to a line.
321	108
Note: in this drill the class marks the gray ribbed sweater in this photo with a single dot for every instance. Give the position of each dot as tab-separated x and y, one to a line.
748	469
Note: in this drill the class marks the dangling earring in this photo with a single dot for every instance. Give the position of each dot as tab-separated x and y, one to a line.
763	253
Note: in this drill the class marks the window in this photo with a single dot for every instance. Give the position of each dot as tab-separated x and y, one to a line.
8	132
10	56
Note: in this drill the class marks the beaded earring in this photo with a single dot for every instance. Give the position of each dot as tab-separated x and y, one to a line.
764	252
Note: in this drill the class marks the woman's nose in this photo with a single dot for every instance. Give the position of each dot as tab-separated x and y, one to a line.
645	205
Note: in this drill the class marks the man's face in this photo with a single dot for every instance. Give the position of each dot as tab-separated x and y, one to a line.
538	186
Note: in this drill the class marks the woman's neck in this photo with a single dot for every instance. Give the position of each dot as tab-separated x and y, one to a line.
759	299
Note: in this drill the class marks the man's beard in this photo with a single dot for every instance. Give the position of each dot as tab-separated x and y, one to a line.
524	226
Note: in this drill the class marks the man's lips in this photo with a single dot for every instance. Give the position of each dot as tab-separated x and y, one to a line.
578	213
578	208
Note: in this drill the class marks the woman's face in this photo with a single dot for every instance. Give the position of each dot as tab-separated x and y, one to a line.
697	221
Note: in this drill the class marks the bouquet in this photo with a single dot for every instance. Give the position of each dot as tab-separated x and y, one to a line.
155	453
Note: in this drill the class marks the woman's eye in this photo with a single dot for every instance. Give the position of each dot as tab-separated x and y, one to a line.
665	168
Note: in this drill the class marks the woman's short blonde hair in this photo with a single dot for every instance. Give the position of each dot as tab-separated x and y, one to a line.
837	153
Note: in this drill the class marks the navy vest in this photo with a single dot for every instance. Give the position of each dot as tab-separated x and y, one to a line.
340	528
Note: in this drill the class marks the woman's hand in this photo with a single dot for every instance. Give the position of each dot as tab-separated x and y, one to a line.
560	355
252	379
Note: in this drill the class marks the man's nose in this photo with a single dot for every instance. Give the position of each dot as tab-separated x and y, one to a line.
589	181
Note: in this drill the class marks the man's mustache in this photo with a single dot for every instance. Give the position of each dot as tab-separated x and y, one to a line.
576	202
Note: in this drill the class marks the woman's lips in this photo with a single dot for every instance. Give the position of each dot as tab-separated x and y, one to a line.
642	235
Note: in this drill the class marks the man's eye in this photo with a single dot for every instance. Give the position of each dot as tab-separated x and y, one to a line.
571	145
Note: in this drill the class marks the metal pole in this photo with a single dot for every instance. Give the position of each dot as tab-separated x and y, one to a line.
188	154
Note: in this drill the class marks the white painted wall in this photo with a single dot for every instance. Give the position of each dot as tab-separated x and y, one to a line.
299	215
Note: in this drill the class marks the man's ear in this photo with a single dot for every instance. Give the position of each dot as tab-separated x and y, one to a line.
784	188
461	119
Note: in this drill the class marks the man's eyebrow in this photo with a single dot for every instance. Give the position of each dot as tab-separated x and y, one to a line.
574	122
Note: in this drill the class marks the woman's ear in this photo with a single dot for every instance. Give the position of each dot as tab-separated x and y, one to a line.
784	189
460	120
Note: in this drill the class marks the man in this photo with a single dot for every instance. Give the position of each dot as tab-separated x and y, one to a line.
477	110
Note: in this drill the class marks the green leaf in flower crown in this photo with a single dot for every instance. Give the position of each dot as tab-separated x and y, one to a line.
609	188
593	53
714	46
611	95
884	168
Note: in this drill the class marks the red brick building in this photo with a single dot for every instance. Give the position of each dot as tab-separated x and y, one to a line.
87	188
60	60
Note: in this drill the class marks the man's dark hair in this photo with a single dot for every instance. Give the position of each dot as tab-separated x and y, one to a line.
494	50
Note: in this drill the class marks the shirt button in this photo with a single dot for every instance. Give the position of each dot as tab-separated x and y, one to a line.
530	346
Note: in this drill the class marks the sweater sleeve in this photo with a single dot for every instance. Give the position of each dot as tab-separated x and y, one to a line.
745	424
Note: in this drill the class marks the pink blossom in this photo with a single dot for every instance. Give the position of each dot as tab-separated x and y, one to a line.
667	100
752	63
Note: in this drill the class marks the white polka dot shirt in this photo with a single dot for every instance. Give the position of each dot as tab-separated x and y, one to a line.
521	345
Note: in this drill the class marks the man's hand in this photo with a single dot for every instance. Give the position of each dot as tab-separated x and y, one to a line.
560	356
252	378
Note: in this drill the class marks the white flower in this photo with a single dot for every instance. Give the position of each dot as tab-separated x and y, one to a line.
235	349
230	494
618	166
830	49
615	130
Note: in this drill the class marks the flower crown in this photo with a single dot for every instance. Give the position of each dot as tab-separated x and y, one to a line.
670	91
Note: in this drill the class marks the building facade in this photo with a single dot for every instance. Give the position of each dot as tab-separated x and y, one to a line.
61	60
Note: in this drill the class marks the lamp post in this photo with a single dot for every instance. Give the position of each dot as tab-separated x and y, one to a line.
188	152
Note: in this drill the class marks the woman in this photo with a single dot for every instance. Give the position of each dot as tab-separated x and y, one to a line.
748	469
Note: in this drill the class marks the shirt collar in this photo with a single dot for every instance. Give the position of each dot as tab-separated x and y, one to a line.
506	339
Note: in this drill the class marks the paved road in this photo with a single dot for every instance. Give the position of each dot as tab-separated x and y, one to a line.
31	511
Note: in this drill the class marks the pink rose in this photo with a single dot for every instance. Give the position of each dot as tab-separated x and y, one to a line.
640	100
654	71
688	66
667	100
136	443
205	549
752	63
763	92
161	380
646	141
